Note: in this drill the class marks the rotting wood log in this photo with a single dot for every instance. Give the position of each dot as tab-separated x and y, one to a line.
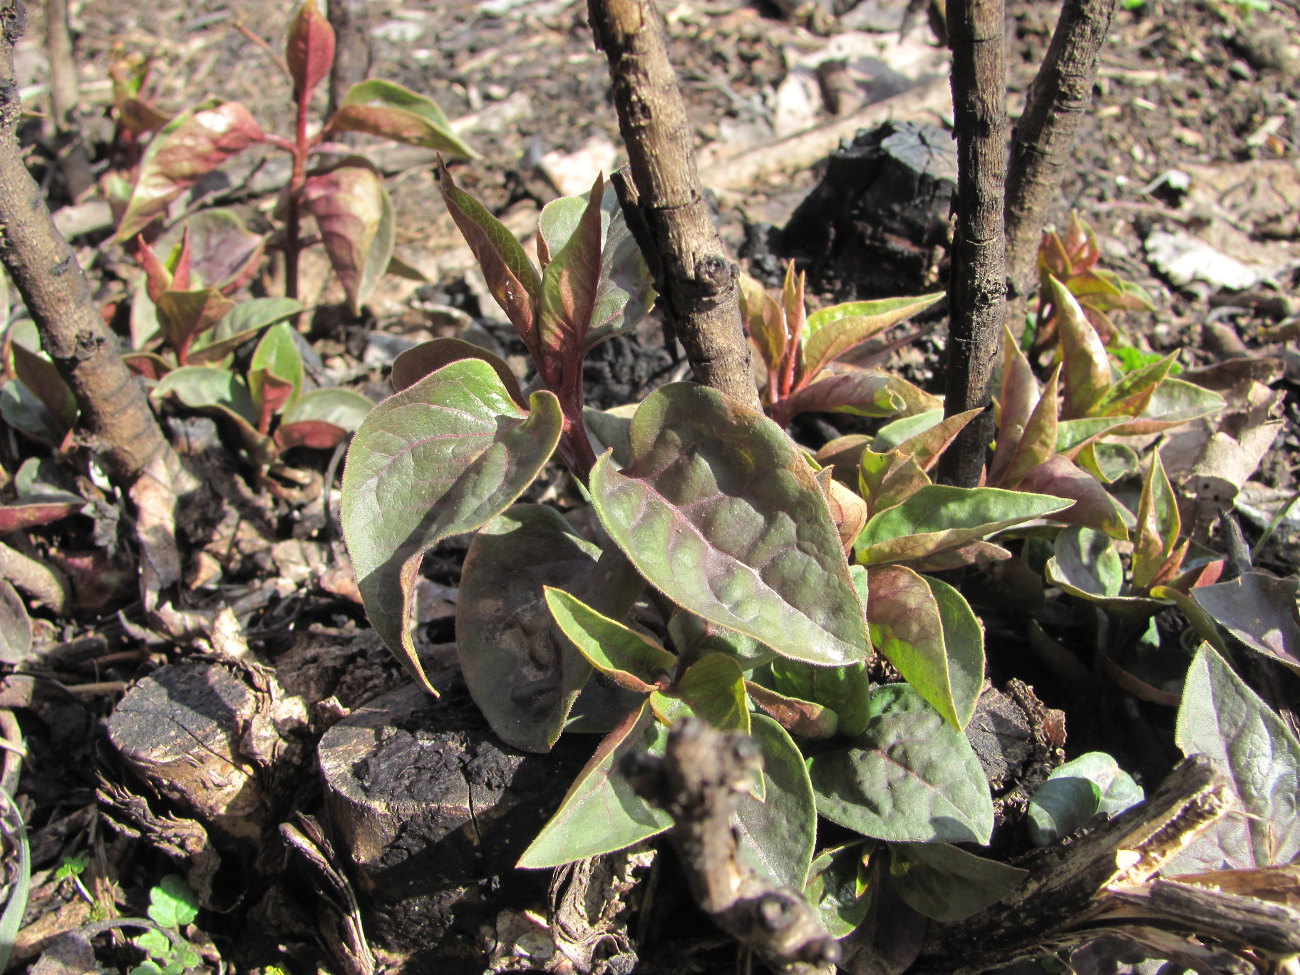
665	203
213	739
430	812
880	215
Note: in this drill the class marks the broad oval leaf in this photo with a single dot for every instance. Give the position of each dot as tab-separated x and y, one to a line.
946	883
777	833
939	517
1174	402
830	332
601	812
276	366
355	216
1093	506
439	458
1259	756
1075	792
909	777
845	690
391	111
522	672
628	658
712	689
1259	609
341	408
184	315
187	149
1085	365
203	386
309	50
415	363
720	510
929	633
862	392
223	253
1086	565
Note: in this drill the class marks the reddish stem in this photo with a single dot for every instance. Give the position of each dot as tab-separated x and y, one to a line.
292	241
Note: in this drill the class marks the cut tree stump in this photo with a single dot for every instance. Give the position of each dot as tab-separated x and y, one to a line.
213	739
877	224
431	814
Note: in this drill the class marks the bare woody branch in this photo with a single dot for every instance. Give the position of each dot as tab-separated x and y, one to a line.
697	782
121	426
676	231
1044	137
978	289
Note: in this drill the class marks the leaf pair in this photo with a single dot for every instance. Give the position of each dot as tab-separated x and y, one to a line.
803	352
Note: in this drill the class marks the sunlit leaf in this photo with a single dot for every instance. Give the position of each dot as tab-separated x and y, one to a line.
342	408
1086	367
1259	756
830	332
694	636
309	50
909	777
720	510
845	690
276	366
224	254
355	216
1038	438
622	654
928	632
1075	792
1174	402
712	689
765	323
1158	525
601	812
390	111
185	315
799	717
939	516
1017	396
848	390
570	287
241	323
1259	609
1093	506
421	360
190	147
439	458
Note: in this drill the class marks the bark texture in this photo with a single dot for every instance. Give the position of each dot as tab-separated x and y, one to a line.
665	202
74	162
978	289
114	410
1061	92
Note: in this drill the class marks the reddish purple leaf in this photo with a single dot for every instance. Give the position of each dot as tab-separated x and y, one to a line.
1038	439
157	278
309	50
184	315
510	276
428	357
309	433
189	148
1093	505
276	392
848	390
355	217
42	378
569	288
1016	401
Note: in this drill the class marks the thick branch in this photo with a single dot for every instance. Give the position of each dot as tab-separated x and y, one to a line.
692	272
1061	92
697	782
57	294
978	288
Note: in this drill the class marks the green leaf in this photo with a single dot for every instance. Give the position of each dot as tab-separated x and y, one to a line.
1038	439
522	672
617	651
275	373
721	512
511	278
1158	525
1075	792
1086	565
187	149
830	332
946	883
44	381
845	690
19	867
391	111
862	392
1259	756
184	315
601	812
712	689
766	324
1016	398
909	777
1174	402
355	216
894	434
239	325
439	458
206	386
807	719
776	833
342	408
21	409
928	631
694	636
172	904
939	517
832	889
1259	609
